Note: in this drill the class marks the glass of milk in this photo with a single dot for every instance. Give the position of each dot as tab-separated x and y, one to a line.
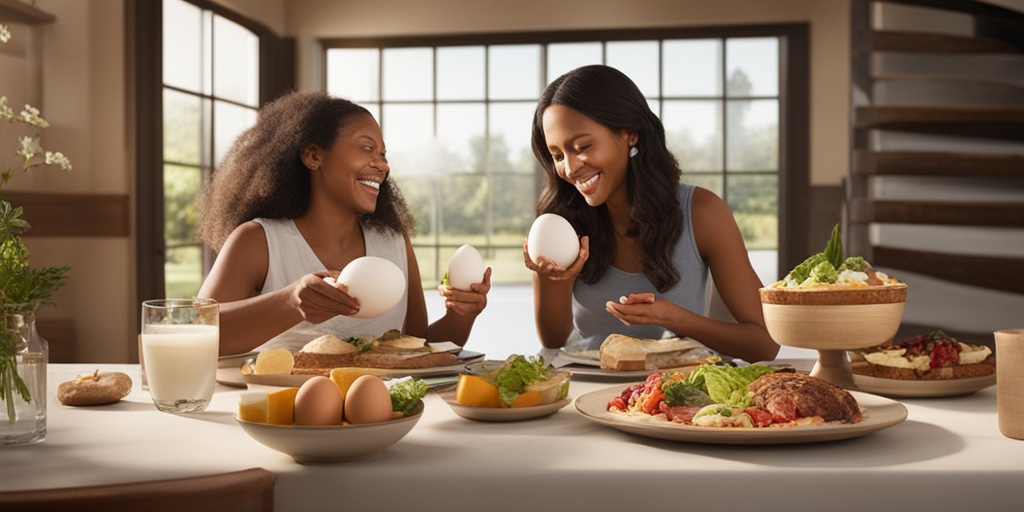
180	340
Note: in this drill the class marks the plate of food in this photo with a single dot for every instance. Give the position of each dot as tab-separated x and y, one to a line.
926	365
516	389
768	406
628	357
390	355
228	369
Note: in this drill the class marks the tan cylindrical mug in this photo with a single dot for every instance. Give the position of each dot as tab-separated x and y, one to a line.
1010	382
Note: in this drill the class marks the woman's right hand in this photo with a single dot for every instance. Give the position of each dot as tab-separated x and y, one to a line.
548	269
318	300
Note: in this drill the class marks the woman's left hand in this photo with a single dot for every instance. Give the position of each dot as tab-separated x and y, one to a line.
467	302
641	309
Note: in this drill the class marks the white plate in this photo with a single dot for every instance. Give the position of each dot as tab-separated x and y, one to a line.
879	413
465	357
922	388
493	414
603	374
578	358
228	369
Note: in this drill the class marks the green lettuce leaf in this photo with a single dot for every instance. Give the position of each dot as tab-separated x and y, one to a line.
517	372
727	384
406	394
679	392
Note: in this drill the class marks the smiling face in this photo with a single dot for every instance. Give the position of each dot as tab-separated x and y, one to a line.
350	173
587	154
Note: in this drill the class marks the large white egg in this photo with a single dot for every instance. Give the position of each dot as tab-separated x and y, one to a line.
552	237
377	283
465	268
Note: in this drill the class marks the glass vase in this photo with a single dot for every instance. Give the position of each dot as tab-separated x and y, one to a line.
23	358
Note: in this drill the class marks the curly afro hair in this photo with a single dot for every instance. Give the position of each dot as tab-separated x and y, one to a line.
262	174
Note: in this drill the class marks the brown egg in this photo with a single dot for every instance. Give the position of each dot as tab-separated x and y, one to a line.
319	402
367	401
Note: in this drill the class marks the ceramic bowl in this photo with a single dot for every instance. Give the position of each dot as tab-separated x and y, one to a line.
831	319
341	443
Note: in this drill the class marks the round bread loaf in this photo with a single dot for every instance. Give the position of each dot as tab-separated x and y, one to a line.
97	388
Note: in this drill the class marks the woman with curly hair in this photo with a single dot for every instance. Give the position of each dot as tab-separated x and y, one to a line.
648	241
299	195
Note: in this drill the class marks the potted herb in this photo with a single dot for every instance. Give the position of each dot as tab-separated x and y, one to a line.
23	289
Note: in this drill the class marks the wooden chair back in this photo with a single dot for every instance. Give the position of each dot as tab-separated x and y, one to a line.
250	490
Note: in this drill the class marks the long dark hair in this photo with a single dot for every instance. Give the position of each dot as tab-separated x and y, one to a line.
610	98
262	174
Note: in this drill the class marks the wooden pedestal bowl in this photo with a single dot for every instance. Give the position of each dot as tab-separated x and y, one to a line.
833	319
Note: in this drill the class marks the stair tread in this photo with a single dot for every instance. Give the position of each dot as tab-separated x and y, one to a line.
937	163
922	42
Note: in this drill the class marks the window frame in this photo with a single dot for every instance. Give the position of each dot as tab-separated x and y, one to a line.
145	58
793	94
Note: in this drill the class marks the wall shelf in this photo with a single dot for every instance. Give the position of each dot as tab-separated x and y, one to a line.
15	11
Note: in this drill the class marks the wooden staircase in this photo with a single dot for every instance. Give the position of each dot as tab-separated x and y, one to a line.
935	194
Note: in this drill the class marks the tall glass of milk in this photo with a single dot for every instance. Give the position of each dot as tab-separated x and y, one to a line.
180	340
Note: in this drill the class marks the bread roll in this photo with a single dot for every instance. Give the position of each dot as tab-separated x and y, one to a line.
97	388
626	353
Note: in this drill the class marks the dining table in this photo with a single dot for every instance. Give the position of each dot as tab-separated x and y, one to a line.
948	454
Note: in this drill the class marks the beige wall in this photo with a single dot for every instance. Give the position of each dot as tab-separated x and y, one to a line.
80	88
77	76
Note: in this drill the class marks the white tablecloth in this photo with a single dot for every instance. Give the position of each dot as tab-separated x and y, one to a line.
948	455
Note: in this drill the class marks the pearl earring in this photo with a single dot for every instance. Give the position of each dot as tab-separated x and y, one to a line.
633	151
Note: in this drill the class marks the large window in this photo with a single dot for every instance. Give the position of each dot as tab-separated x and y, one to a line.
200	72
210	94
456	117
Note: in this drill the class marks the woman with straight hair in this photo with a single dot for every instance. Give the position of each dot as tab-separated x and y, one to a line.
648	241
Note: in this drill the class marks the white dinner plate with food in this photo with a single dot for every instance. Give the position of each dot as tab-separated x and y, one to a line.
879	413
295	380
498	414
228	369
900	388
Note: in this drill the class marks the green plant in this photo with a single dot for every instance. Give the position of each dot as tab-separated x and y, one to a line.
22	288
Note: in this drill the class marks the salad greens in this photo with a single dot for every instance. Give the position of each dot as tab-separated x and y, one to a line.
680	392
824	267
727	384
405	394
518	372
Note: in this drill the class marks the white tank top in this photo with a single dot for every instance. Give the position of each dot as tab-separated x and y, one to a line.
290	257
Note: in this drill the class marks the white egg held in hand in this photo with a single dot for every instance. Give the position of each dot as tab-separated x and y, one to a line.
552	237
376	283
465	268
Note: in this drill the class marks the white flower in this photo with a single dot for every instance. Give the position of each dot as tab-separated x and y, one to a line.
58	158
31	116
29	147
5	111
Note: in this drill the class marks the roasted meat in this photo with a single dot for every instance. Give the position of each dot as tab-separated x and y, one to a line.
795	395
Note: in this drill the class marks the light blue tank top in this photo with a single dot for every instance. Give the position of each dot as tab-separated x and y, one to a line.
592	324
